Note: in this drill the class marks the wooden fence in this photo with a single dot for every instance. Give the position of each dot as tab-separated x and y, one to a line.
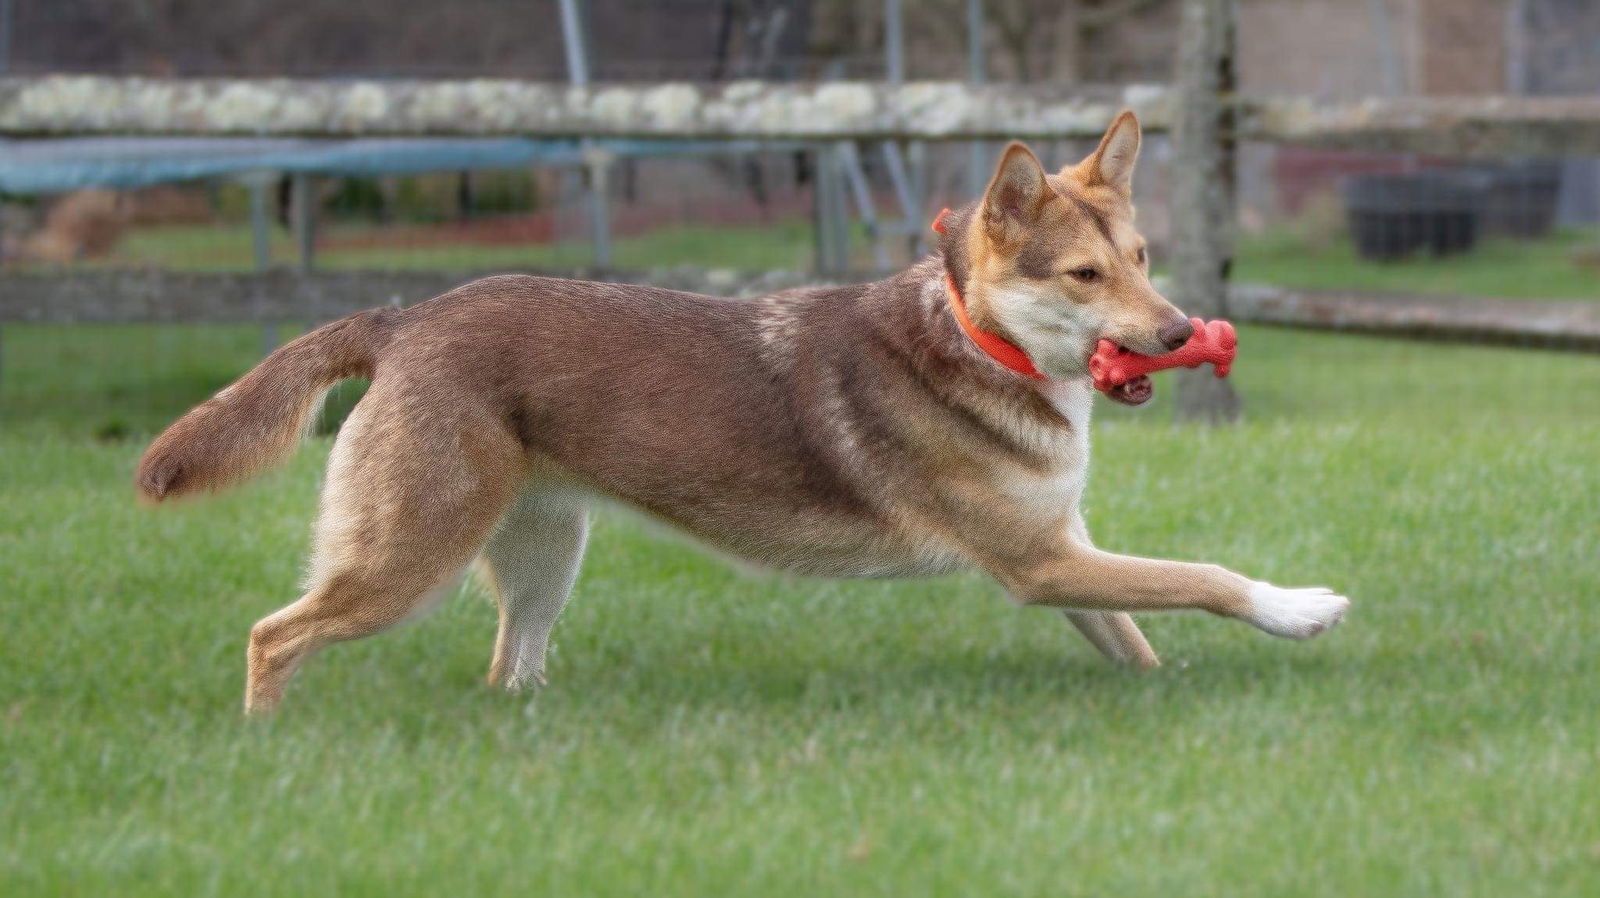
1202	110
152	296
59	105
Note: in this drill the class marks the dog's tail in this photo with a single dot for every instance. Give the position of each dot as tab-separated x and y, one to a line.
258	421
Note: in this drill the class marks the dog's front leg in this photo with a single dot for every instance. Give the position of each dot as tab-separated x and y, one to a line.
1073	575
1113	633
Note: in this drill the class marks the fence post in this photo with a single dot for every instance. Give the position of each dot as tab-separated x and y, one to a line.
597	168
596	161
1204	185
977	71
830	201
261	248
5	37
260	219
303	212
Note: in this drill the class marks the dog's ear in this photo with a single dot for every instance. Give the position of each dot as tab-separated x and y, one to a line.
1016	195
1111	164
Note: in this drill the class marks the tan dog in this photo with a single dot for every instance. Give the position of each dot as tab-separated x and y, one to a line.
842	432
85	224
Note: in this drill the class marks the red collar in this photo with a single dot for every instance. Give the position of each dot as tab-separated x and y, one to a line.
1003	351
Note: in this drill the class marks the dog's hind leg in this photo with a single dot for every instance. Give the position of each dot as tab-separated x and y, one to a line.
1116	636
412	494
1114	633
532	561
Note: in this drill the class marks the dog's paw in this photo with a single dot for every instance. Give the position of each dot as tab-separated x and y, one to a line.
529	681
1294	613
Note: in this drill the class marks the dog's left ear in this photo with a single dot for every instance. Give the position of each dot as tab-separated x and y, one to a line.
1112	162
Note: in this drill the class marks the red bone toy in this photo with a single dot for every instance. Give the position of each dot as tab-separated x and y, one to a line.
1213	341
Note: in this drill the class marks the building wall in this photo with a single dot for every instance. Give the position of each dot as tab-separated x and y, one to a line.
1355	48
1459	47
1325	48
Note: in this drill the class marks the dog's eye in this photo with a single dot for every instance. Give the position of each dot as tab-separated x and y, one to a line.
1141	255
1085	275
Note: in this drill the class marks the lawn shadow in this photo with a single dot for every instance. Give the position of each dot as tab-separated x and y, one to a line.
923	690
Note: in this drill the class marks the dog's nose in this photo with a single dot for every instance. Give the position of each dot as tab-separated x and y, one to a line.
1174	335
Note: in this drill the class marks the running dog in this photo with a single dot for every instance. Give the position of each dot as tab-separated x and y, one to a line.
859	431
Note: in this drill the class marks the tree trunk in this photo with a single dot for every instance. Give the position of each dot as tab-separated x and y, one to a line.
1203	192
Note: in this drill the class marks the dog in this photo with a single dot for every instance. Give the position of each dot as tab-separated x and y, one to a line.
872	430
85	224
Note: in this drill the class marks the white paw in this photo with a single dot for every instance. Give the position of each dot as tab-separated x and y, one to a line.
525	681
1294	613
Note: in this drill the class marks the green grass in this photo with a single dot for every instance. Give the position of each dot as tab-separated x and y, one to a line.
1512	269
1497	267
783	245
707	732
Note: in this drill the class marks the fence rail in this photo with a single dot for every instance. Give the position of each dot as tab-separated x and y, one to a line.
58	105
155	296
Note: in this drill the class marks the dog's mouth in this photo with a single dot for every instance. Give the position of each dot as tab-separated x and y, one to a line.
1136	391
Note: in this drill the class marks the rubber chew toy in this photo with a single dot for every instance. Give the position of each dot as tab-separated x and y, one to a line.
1213	341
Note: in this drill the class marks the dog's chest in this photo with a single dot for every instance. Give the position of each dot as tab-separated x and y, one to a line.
1060	485
1074	400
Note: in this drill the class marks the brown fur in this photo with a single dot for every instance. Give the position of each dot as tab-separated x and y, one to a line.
851	431
81	225
259	420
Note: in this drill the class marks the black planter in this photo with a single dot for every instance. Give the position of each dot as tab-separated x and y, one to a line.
1522	198
1396	215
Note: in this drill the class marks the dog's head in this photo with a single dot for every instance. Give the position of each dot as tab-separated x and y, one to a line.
1052	262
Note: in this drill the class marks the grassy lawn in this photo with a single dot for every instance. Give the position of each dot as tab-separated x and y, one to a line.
783	245
1497	267
709	732
1513	269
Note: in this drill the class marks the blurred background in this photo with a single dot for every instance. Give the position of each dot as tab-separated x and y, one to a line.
1459	239
1455	236
1308	217
1325	234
